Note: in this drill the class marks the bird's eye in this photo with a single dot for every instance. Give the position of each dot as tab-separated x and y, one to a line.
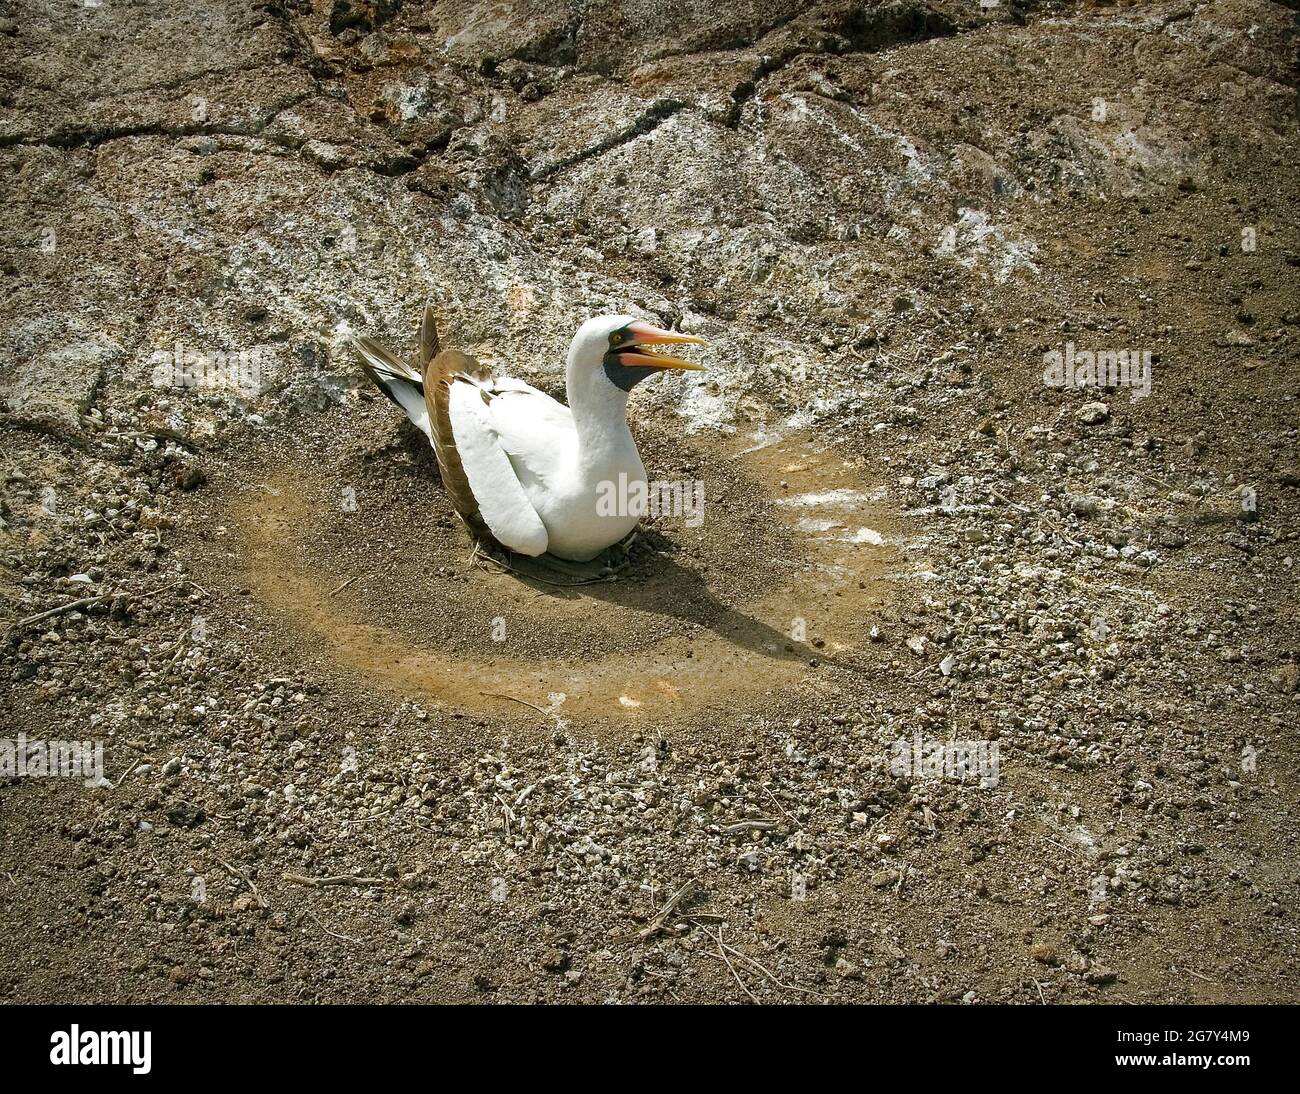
615	338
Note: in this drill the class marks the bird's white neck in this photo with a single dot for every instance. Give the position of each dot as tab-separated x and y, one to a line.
600	419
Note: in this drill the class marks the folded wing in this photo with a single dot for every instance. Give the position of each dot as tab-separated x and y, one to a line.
536	432
501	500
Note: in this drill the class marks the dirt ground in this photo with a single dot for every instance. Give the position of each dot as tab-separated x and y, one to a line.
347	761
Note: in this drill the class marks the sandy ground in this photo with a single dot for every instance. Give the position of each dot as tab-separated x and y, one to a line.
344	761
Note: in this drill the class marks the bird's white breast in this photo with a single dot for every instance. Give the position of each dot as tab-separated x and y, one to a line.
593	502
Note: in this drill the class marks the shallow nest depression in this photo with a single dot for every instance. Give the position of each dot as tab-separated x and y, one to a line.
351	552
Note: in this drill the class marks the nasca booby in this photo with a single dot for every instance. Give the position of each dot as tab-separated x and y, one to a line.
519	467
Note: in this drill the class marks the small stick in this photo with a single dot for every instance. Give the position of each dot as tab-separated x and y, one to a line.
722	952
1192	972
661	917
761	967
88	601
334	934
1014	504
522	702
340	588
237	873
780	806
505	810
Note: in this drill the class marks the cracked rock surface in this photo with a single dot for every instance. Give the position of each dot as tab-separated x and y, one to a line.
881	216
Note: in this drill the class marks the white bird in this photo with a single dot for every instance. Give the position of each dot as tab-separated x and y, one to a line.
531	473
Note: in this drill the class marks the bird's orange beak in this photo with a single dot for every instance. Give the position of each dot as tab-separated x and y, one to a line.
644	334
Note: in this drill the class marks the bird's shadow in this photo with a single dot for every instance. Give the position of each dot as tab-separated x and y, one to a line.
654	582
640	573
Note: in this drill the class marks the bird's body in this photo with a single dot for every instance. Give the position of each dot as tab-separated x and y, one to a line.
519	466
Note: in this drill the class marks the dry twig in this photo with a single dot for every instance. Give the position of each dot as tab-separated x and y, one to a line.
240	875
660	919
339	588
88	601
521	702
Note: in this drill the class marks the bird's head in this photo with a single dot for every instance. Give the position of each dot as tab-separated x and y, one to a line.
617	347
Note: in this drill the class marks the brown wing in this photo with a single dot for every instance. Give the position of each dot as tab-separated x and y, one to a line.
440	372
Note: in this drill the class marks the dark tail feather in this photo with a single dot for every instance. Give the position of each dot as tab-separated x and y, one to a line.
396	379
428	339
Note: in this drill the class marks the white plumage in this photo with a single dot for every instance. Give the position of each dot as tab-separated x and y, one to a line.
493	476
531	472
